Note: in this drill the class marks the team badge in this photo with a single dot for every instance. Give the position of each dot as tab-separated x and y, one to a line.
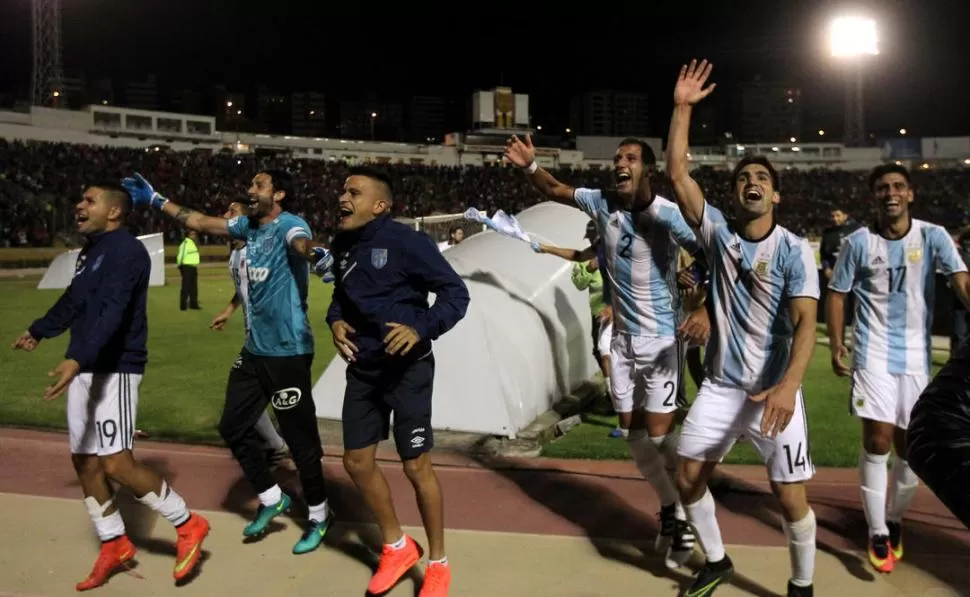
761	268
378	258
914	255
268	244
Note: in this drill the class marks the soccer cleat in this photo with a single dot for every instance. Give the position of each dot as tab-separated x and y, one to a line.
265	514
880	554
437	579
795	591
682	546
668	528
113	557
312	537
896	539
394	564
710	577
188	547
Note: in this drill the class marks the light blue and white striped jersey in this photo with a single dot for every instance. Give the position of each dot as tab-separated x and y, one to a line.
277	280
751	286
240	279
894	283
641	254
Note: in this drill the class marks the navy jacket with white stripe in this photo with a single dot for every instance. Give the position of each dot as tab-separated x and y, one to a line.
105	306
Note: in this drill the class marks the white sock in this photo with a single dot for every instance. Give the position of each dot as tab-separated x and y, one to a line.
266	430
271	496
319	512
874	476
443	561
905	484
703	517
668	447
650	463
400	543
801	549
107	527
169	504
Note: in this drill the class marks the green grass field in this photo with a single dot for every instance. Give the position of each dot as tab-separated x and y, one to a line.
183	390
184	386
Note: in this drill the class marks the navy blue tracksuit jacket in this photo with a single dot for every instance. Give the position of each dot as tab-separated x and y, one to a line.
384	272
104	307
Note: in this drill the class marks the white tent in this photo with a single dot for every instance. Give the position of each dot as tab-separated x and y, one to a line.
60	272
525	341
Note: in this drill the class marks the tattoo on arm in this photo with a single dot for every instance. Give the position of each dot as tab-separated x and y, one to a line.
183	214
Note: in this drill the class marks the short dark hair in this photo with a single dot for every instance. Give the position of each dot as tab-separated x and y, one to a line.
884	169
117	194
281	181
646	152
374	174
761	161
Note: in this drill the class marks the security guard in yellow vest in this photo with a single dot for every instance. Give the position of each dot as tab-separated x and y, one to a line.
188	263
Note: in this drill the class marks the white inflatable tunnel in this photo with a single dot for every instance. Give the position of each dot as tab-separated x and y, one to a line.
60	272
525	341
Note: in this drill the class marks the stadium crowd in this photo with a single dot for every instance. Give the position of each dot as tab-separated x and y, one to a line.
39	183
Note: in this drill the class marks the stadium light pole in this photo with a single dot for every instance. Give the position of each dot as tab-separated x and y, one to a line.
852	40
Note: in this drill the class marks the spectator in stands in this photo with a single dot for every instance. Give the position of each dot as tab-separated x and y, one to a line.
842	226
188	264
455	236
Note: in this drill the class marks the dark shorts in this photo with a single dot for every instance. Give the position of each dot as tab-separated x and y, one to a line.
595	333
372	394
285	380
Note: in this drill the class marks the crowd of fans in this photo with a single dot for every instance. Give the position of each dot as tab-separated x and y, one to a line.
40	182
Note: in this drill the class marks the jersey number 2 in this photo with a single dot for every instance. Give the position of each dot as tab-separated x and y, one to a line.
626	244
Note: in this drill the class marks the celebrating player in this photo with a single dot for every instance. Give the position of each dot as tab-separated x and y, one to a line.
274	365
383	327
276	451
641	233
105	309
765	291
890	269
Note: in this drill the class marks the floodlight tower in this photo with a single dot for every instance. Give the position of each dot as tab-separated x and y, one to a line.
852	40
46	80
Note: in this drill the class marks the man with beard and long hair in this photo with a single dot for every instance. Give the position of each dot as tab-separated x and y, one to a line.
641	233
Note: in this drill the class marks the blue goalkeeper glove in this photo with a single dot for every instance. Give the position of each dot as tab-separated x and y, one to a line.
142	192
323	266
535	247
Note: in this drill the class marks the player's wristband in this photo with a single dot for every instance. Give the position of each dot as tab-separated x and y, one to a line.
158	202
531	168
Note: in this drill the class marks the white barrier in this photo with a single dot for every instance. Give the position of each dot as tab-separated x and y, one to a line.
525	341
60	272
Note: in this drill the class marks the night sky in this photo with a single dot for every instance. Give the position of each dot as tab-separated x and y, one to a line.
920	81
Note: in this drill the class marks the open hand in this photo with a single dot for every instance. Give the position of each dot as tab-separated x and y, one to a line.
401	338
839	354
521	153
346	348
66	371
690	84
779	408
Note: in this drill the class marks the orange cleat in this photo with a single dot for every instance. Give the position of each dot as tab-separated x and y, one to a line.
394	564
113	558
880	554
188	549
437	579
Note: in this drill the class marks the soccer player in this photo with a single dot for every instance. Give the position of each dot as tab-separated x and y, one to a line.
383	327
105	309
274	365
587	274
890	269
764	288
641	233
276	451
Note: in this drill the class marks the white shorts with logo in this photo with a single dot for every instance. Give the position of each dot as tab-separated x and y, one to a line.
722	413
101	410
645	373
885	397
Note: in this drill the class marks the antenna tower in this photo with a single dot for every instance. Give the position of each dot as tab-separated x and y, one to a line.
46	79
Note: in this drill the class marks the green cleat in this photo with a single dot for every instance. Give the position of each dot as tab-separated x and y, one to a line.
312	537
265	514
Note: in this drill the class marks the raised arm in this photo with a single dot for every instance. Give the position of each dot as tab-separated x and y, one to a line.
142	193
688	91
567	254
523	155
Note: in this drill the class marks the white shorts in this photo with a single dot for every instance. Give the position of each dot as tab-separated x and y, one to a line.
101	409
721	414
885	397
645	373
604	338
